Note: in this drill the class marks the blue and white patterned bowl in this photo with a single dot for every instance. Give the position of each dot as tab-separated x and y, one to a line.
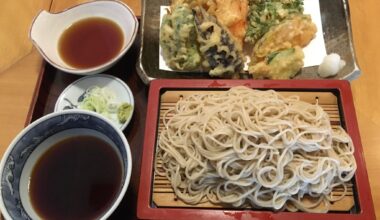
35	139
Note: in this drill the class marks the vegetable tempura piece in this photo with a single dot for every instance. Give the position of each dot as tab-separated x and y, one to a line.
279	65
230	13
263	14
233	15
191	3
219	51
298	30
178	39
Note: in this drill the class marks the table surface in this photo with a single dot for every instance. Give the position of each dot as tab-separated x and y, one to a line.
19	81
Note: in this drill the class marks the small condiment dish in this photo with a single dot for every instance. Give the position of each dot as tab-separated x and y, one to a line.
32	143
47	28
75	92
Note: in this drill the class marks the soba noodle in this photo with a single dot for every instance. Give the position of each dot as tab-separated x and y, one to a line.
253	147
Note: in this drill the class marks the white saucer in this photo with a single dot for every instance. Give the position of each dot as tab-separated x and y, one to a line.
76	89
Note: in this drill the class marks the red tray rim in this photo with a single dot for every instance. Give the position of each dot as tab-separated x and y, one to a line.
146	211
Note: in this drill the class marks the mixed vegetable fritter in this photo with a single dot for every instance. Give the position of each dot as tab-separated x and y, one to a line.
178	39
264	14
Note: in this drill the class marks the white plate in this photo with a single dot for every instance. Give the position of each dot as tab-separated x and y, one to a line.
76	89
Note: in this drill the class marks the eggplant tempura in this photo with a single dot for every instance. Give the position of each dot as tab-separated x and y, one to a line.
220	53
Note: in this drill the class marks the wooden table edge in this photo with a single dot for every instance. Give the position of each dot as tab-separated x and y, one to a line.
42	64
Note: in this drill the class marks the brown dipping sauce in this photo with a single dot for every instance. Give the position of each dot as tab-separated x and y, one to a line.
77	178
90	42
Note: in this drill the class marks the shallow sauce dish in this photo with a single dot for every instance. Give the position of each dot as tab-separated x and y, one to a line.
47	29
75	91
37	140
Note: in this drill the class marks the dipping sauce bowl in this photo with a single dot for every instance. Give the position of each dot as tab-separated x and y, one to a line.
72	164
48	28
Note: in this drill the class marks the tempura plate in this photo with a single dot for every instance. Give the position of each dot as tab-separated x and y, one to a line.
156	199
336	32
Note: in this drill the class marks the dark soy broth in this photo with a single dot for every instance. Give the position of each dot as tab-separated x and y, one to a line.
77	178
90	42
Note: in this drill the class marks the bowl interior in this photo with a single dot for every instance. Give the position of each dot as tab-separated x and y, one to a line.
40	150
47	29
33	141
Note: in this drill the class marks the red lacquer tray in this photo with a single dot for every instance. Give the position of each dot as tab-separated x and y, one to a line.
157	204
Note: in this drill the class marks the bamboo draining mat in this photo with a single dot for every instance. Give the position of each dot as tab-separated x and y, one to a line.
163	194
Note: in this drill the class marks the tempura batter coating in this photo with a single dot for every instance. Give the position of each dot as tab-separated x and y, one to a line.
191	3
298	30
178	39
280	65
220	54
233	15
264	14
